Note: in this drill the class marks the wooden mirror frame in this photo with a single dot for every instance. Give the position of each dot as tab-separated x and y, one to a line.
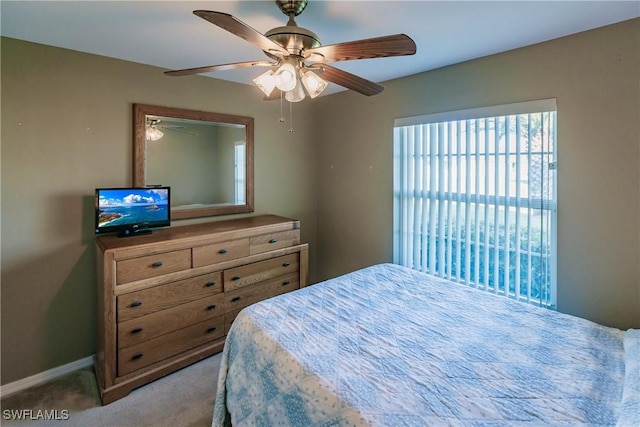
140	112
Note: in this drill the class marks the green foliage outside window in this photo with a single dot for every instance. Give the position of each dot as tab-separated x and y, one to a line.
534	256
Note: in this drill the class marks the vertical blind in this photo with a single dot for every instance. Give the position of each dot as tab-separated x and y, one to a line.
474	198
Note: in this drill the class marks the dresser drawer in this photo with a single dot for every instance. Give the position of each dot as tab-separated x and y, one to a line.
159	348
247	295
245	275
272	241
219	252
147	301
133	269
152	325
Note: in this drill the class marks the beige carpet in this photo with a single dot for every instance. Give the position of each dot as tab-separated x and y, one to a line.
181	399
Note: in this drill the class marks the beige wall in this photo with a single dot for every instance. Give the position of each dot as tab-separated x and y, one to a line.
595	77
66	129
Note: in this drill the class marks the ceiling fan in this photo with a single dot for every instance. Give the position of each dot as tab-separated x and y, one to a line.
153	129
298	60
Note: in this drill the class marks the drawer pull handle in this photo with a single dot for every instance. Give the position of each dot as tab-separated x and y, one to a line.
273	240
235	278
136	356
136	330
286	283
286	264
209	284
157	264
223	251
211	329
235	299
211	307
136	304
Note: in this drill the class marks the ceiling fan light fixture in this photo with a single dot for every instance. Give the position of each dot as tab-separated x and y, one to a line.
285	77
153	133
266	82
296	94
314	84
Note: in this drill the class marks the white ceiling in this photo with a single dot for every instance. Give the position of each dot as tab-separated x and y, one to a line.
167	34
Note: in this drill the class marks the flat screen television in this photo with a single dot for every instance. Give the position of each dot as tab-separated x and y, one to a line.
132	211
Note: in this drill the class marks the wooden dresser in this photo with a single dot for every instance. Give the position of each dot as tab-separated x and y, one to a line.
168	299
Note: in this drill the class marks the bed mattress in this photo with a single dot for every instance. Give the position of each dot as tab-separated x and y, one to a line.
391	346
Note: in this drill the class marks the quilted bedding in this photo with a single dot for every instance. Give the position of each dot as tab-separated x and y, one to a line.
390	346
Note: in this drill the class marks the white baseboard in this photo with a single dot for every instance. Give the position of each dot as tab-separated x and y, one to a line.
45	376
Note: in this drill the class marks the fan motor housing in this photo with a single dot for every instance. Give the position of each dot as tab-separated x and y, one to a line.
293	38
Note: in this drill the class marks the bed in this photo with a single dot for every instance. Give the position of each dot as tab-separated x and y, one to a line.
391	346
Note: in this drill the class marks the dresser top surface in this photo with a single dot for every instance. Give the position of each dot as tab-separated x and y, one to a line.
110	242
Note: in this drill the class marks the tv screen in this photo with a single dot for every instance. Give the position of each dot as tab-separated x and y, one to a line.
131	211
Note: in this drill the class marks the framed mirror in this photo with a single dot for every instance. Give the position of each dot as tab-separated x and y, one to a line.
206	159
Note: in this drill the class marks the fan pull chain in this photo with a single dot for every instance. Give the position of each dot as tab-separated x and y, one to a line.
281	119
291	117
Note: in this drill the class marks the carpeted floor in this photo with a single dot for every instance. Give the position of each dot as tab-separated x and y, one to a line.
181	399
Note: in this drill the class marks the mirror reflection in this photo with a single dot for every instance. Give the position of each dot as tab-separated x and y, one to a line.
176	145
205	158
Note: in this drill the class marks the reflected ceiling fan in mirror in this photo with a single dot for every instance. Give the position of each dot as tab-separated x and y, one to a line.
153	132
298	61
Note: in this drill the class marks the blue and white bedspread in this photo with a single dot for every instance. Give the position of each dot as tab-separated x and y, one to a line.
390	346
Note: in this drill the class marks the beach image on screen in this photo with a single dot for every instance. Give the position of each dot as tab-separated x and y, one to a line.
132	206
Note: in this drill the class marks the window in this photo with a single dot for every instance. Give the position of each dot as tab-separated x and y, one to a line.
240	173
475	198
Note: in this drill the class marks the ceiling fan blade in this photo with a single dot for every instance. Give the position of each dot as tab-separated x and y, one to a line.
348	80
242	30
377	47
221	67
177	130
